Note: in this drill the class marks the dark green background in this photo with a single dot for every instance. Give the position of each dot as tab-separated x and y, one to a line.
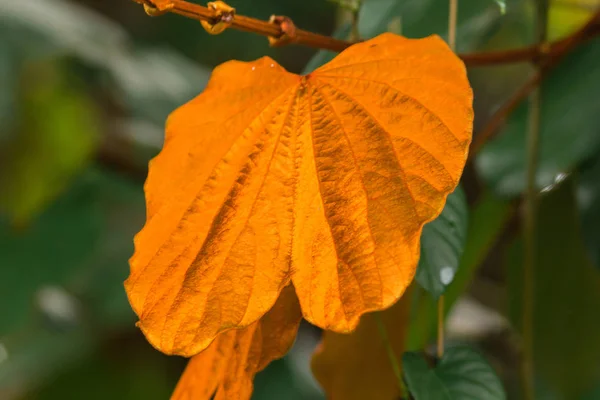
85	87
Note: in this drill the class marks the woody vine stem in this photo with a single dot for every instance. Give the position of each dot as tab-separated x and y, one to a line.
530	217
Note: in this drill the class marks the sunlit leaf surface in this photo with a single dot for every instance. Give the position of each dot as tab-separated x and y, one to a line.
323	180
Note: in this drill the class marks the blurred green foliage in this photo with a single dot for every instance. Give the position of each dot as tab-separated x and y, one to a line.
588	201
566	299
569	131
56	136
85	89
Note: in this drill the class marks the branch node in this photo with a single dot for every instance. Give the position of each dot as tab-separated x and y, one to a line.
224	15
544	50
288	31
156	8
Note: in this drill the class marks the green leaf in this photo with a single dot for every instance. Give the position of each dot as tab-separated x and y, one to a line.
80	243
58	133
486	223
79	246
47	252
566	298
420	18
588	201
442	244
99	283
593	394
461	374
569	132
566	16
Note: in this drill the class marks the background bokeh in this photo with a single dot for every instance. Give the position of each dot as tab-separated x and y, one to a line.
85	88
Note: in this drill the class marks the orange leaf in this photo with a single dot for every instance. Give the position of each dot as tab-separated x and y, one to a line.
325	180
229	364
356	366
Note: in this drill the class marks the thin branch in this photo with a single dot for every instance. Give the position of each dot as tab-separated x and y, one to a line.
441	311
353	8
527	54
306	38
355	31
529	233
530	217
452	16
545	65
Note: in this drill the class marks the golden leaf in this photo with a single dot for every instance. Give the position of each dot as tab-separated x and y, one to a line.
323	180
356	366
229	364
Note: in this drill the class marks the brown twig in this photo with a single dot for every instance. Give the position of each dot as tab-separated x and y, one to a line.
549	59
247	24
306	38
526	54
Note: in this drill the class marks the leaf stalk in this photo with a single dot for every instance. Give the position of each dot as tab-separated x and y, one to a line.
391	355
